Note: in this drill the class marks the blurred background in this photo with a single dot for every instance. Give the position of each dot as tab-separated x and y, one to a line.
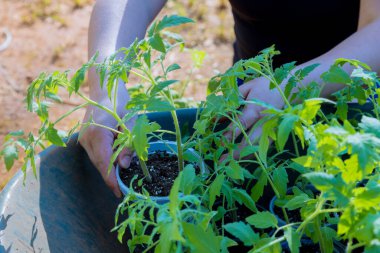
48	35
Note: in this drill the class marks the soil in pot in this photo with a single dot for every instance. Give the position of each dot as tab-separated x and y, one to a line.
163	168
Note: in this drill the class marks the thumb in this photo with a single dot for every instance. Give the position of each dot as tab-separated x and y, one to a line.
125	157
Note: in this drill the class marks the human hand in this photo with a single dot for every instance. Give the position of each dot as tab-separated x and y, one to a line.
251	113
98	142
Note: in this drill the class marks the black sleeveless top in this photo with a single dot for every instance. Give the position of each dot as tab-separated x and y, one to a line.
300	29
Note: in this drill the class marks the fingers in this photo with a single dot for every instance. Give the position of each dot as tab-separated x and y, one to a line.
249	115
125	157
98	145
245	89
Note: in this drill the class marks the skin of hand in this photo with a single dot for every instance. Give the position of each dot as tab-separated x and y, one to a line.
98	144
251	113
113	24
362	45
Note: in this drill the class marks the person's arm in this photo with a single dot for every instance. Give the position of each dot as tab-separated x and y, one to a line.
363	45
113	24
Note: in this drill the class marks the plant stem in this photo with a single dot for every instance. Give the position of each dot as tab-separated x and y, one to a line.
374	104
145	171
106	127
70	112
178	139
269	244
322	243
358	245
285	215
261	164
175	120
112	113
313	215
295	145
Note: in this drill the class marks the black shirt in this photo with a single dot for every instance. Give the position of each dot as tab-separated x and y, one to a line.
300	29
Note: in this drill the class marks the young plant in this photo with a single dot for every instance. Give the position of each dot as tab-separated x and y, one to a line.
319	161
139	60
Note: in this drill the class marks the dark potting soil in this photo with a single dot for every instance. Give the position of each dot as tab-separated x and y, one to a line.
163	168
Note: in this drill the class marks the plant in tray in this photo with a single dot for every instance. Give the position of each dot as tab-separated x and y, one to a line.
320	164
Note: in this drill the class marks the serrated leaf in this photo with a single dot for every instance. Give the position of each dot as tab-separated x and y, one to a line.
200	240
170	21
53	137
10	154
242	197
284	129
306	161
322	181
157	43
242	231
140	132
173	67
248	150
293	239
156	105
162	85
370	125
336	75
280	179
262	220
258	188
297	201
215	189
235	171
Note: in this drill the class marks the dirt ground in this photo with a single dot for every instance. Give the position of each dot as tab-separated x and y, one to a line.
51	35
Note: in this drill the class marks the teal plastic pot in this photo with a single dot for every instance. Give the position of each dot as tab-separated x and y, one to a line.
170	147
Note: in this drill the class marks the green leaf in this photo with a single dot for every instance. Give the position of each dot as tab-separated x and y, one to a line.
157	43
280	179
248	150
258	188
10	154
53	137
353	62
336	75
297	201
306	161
370	125
170	21
285	128
293	239
242	197
262	220
156	105
215	189
140	131
201	241
328	235
263	243
242	231
235	171
322	181
302	73
162	85
172	67
188	179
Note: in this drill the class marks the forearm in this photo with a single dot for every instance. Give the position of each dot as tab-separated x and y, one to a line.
116	24
362	45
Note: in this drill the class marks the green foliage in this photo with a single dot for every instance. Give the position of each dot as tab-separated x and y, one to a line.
322	164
